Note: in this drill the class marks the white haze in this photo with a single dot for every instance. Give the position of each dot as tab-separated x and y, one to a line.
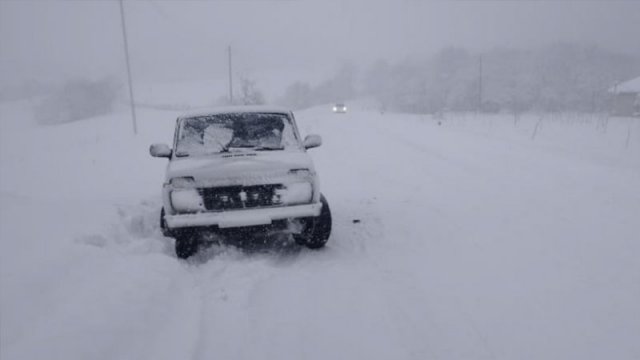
52	41
489	214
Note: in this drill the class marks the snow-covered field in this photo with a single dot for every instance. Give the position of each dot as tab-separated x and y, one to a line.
478	238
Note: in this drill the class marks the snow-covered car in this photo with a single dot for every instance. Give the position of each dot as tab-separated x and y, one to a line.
340	108
241	168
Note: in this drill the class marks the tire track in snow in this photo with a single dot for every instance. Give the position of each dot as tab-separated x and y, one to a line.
224	284
204	298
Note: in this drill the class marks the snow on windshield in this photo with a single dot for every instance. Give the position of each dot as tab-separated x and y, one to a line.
233	132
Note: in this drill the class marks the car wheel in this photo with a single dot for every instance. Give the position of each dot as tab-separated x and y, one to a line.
163	225
317	229
186	246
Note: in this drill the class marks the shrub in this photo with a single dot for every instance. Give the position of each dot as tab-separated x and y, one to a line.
77	100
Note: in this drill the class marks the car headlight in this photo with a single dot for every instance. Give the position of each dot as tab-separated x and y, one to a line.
187	200
296	193
183	182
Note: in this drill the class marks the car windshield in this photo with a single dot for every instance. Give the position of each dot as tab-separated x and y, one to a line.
210	134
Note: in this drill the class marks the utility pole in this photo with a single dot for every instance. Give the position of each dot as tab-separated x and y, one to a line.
480	83
230	78
126	55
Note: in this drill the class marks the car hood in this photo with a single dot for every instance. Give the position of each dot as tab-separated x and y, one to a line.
239	167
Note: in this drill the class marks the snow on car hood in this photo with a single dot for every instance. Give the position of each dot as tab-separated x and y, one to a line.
239	167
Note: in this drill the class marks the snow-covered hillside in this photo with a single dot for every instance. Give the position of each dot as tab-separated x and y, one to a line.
457	238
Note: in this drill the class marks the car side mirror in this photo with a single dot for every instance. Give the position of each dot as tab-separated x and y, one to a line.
312	141
160	150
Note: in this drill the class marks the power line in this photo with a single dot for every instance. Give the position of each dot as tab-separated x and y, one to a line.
480	83
230	78
126	55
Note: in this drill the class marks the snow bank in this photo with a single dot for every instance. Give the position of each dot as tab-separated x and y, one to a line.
461	237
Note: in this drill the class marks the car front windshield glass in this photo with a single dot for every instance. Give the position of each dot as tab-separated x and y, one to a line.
210	134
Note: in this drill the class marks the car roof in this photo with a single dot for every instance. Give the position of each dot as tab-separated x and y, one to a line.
236	109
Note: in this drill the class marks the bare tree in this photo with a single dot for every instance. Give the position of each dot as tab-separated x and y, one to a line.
249	93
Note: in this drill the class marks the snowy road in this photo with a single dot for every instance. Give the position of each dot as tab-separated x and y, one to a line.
474	241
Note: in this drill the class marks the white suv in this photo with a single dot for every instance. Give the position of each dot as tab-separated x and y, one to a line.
241	169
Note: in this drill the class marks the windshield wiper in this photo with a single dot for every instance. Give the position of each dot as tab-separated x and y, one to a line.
257	148
268	148
224	148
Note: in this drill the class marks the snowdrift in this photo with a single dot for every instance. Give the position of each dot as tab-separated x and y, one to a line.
459	237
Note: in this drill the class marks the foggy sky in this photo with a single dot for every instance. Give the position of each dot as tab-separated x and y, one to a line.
55	40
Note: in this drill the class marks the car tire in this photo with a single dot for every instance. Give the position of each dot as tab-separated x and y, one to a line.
317	229
163	225
186	246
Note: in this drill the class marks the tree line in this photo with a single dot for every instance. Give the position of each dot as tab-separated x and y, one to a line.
558	77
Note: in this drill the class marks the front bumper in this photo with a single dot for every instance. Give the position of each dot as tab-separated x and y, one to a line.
244	217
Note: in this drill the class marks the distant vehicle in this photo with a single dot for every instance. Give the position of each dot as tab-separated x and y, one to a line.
241	169
339	108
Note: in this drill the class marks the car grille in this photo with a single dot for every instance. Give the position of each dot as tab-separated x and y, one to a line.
240	197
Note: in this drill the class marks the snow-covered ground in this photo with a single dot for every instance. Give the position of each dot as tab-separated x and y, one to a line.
478	238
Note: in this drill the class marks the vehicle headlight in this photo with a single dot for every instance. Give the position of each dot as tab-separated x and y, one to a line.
187	200
296	193
183	182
